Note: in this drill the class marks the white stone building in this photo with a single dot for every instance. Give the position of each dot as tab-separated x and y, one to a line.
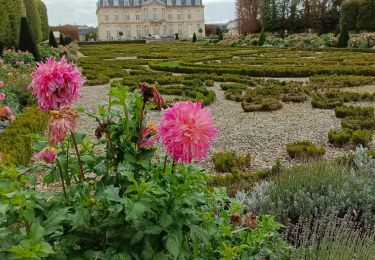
137	19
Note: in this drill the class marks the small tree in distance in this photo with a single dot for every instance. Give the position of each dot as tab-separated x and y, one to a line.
344	37
52	40
262	38
27	43
219	33
176	36
194	37
62	40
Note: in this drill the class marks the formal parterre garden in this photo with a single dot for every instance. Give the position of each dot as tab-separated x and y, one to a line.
134	191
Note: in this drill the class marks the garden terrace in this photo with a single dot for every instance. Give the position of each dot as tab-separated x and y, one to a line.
241	77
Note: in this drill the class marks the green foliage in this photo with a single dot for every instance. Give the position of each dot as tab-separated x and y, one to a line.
42	10
209	83
355	123
27	43
62	40
262	38
344	37
354	111
340	137
14	58
229	161
362	137
15	141
33	19
131	205
340	81
262	104
52	40
310	191
305	150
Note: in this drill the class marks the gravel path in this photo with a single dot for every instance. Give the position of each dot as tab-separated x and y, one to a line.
263	134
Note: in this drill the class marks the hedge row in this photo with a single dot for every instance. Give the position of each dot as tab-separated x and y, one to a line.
15	142
114	42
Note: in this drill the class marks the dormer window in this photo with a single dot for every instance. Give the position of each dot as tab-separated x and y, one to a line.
178	2
105	3
136	2
126	2
115	3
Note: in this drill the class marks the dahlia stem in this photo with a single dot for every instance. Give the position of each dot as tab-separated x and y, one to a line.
61	177
173	166
111	146
67	178
165	163
78	155
141	124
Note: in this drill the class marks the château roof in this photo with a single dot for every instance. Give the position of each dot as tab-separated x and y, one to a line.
135	3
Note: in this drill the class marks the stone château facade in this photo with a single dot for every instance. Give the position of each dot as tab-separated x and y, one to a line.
137	19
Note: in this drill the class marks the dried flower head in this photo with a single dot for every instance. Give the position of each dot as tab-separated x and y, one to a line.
236	219
150	93
56	84
251	220
187	131
101	129
60	122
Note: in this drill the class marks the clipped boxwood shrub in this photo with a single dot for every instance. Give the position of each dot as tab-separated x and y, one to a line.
233	86
229	161
355	123
234	95
209	83
339	137
264	104
362	137
354	111
15	145
305	150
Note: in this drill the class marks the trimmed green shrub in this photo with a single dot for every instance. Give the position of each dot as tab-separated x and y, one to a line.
27	42
229	161
62	40
344	37
233	86
339	137
305	150
209	83
362	137
354	111
358	123
295	98
194	38
234	95
15	144
52	40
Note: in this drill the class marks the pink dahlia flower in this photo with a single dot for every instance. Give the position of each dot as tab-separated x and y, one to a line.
149	137
48	155
1	83
56	84
187	131
2	96
60	122
8	111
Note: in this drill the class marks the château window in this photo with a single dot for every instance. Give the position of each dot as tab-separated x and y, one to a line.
115	3
128	29
179	16
170	29
126	2
136	2
180	30
106	18
116	17
146	14
170	17
137	16
105	3
127	17
189	16
155	13
138	31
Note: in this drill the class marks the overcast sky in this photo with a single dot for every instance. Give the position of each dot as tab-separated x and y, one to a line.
83	11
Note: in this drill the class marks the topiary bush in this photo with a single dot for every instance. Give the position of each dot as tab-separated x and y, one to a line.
362	137
209	83
339	137
355	123
229	161
354	111
15	142
305	150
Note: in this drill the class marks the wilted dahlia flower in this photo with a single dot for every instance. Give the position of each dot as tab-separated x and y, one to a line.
56	84
187	131
48	155
150	93
60	122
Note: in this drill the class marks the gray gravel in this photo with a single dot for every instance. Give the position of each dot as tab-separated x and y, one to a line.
263	134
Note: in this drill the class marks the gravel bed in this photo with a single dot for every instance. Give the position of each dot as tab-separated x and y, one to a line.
263	134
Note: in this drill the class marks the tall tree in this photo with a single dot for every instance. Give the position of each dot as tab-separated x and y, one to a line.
14	10
33	18
268	15
247	12
344	37
27	43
